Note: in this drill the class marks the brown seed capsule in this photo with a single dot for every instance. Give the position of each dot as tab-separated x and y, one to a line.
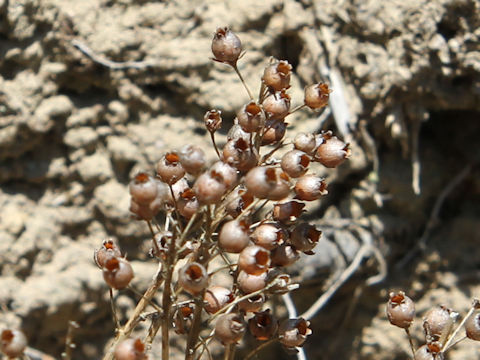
169	168
294	332
117	273
274	132
316	95
310	187
277	105
254	260
252	304
250	283
295	163
143	188
230	328
226	46
267	183
187	203
269	235
288	212
234	236
209	188
130	349
332	151
277	75
304	237
236	132
424	353
263	325
237	201
400	309
192	159
284	255
193	278
472	326
182	318
439	321
251	117
240	154
216	297
109	249
305	142
225	173
213	120
13	343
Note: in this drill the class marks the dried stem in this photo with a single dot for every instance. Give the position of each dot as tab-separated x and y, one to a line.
260	348
235	67
69	344
212	136
195	330
114	309
410	341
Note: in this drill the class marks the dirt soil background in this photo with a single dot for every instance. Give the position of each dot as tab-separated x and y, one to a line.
92	91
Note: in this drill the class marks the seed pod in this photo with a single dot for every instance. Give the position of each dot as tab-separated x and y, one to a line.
269	236
237	201
472	326
295	163
109	249
310	187
192	159
169	168
130	349
284	255
304	237
234	236
251	117
209	188
250	283
305	142
117	273
274	132
193	278
226	46
225	173
254	260
13	343
294	332
277	75
252	304
277	105
438	322
316	95
240	154
332	151
216	297
143	188
288	212
213	120
229	328
187	204
267	183
182	318
424	353
400	309
236	132
263	325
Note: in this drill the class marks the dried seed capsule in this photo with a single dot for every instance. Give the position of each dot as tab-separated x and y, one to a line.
332	151
304	237
216	297
277	75
269	236
295	163
472	326
400	309
310	187
182	318
143	188
193	278
209	188
192	159
288	212
424	353
236	132
240	154
130	349
229	328
234	236
305	142
237	201
277	105
294	332
274	132
169	168
225	173
117	273
251	117
250	283
213	120
316	95
252	304
109	249
226	46
267	183
439	321
263	325
13	343
284	255
254	260
187	203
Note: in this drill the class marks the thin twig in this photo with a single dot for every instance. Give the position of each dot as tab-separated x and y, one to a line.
114	309
69	343
235	67
259	348
195	329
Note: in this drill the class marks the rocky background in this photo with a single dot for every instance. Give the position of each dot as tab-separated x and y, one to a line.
92	91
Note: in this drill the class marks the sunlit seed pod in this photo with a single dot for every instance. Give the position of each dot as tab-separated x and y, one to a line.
109	249
251	117
230	328
130	349
294	332
187	203
274	132
234	236
267	183
143	188
472	326
209	188
332	151
317	95
182	318
288	212
250	283
213	120
13	343
263	325
240	154
141	212
169	168
225	173
226	46
305	142
193	278
254	260
424	353
269	235
276	76
236	132
252	304
117	273
281	283
216	297
400	309
277	105
284	255
310	187
304	237
192	159
178	189
295	163
237	201
162	239
438	320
